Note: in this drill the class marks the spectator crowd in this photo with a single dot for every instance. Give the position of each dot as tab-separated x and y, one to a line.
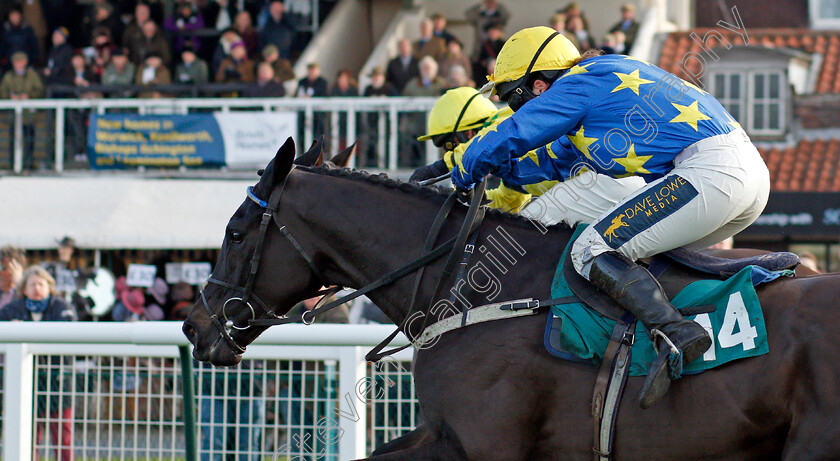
241	48
61	290
101	45
96	45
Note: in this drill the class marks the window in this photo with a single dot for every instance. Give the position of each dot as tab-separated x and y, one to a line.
728	90
825	14
755	98
829	9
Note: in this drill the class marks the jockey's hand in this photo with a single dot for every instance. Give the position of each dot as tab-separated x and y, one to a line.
464	195
430	171
460	179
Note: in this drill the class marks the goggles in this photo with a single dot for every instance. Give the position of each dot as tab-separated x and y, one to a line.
518	92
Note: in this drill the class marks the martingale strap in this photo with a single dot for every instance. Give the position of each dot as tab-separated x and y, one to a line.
376	354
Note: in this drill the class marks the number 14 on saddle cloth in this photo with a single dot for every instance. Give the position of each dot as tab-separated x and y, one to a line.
736	326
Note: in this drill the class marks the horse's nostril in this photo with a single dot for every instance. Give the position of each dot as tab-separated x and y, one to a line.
189	332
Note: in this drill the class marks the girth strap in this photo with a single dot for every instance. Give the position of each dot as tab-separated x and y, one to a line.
609	385
488	312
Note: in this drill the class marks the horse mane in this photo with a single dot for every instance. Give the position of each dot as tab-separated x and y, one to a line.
432	193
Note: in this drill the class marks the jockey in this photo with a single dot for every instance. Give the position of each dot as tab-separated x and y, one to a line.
453	121
625	117
456	119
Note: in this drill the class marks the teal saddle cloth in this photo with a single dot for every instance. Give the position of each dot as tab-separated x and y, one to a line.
576	332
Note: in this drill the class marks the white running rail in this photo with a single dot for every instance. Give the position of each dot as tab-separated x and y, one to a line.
115	390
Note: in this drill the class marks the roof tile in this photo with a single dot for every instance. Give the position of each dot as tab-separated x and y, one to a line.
826	43
809	166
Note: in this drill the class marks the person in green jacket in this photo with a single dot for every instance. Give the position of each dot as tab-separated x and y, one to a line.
21	83
192	69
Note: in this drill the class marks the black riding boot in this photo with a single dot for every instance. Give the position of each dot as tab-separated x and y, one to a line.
637	290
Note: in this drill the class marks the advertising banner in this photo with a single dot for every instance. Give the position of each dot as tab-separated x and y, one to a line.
798	215
242	139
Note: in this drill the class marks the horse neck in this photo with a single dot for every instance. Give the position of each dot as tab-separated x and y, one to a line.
384	229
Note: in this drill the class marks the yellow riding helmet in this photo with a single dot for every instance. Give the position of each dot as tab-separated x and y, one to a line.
459	109
519	52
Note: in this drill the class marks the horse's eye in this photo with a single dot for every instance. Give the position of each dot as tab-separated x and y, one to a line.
236	237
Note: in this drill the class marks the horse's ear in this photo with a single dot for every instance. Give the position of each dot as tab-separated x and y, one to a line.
343	158
282	163
314	156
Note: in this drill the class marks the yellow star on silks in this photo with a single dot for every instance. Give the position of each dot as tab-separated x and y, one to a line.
486	130
631	81
458	159
549	151
578	69
633	163
637	59
691	85
732	122
689	114
582	142
532	154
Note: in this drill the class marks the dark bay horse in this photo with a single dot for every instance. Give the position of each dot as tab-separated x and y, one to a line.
490	391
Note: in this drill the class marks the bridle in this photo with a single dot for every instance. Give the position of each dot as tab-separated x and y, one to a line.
226	325
472	222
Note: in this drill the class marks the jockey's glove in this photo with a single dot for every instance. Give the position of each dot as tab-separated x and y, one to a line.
430	171
464	195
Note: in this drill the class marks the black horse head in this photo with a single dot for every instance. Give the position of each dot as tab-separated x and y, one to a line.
238	293
303	228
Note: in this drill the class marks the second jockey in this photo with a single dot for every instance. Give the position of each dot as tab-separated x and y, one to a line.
463	113
621	116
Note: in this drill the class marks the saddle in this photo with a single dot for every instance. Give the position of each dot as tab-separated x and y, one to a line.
686	267
692	264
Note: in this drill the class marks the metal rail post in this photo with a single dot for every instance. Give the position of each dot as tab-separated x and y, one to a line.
18	138
187	380
59	138
17	396
352	417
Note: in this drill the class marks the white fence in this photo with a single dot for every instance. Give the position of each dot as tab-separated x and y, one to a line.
385	127
105	390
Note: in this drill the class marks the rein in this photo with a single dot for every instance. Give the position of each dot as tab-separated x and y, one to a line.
472	222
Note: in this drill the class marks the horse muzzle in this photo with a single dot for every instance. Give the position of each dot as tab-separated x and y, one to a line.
209	343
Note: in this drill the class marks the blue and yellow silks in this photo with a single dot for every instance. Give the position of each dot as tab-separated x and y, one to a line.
617	115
